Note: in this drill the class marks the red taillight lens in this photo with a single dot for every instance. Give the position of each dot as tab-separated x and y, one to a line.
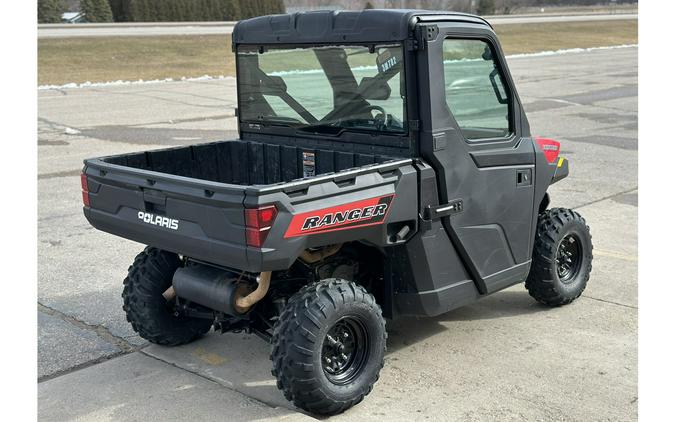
83	182
85	190
258	218
258	223
550	147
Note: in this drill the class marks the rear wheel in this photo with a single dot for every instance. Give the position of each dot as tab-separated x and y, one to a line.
561	259
328	346
150	315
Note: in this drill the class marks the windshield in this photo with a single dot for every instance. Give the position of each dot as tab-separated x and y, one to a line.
326	90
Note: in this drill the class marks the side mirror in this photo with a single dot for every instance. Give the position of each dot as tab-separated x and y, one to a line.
487	53
374	89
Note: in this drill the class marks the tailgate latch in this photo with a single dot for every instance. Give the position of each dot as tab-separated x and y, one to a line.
154	201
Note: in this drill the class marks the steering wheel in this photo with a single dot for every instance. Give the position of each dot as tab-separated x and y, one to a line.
371	107
383	119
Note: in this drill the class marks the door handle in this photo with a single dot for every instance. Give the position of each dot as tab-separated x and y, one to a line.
524	177
432	212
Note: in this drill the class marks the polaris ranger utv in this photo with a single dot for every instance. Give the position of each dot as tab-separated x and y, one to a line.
385	167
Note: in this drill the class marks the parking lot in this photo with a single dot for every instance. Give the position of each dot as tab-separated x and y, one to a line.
503	358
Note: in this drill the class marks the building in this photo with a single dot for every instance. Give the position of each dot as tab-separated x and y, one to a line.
73	17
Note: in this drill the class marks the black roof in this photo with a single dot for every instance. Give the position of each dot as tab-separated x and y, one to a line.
330	26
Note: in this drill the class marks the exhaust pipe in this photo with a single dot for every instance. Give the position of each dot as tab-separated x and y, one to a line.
216	289
205	285
312	257
243	303
169	294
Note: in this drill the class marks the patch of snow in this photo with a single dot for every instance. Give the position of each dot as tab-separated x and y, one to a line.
318	71
569	51
138	82
71	131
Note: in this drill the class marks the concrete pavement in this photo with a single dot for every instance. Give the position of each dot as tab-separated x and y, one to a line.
137	387
503	358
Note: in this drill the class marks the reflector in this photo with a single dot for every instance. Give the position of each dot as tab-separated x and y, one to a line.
85	198
550	148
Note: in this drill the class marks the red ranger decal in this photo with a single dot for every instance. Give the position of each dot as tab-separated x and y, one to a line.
368	212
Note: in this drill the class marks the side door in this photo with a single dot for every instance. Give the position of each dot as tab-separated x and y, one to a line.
478	141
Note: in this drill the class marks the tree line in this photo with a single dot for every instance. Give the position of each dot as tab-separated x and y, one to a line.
192	10
50	11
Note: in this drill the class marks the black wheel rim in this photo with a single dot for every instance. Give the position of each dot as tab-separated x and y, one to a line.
344	350
568	258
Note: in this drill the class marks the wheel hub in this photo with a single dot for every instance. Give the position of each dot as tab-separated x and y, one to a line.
344	350
568	258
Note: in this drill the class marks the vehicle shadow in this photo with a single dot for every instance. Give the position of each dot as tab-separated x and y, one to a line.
407	331
503	304
241	362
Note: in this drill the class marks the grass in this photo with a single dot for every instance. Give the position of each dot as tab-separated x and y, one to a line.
65	60
532	38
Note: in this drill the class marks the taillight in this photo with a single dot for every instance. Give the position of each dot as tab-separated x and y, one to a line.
258	224
550	148
85	190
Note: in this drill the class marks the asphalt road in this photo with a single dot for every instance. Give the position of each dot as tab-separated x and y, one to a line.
503	358
210	28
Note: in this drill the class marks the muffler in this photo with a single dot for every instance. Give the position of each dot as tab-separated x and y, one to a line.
215	288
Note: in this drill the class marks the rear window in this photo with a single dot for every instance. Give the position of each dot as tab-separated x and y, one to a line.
324	89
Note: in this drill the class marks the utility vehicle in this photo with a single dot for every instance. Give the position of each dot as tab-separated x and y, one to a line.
384	167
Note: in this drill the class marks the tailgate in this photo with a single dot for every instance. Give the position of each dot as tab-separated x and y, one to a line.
193	217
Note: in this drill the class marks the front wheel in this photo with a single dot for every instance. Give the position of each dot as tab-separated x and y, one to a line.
561	259
328	346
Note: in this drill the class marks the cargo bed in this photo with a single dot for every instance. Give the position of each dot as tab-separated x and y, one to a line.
245	162
191	200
